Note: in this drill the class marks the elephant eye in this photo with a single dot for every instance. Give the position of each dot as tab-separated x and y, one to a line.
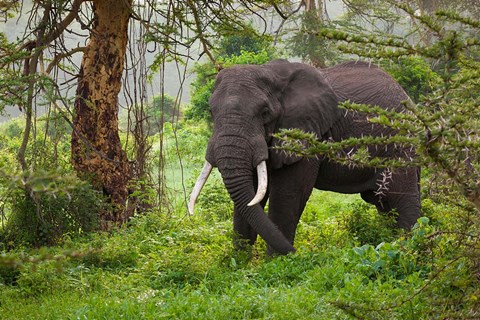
266	114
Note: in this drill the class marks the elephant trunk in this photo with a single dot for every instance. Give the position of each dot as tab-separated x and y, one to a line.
237	172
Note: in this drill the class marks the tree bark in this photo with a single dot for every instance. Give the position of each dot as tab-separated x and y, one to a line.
97	154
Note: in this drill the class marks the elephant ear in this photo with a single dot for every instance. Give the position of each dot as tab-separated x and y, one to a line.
308	103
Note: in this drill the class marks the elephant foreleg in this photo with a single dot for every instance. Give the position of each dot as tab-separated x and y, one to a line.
290	188
244	235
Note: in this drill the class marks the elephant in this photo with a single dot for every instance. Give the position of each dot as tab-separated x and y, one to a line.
250	103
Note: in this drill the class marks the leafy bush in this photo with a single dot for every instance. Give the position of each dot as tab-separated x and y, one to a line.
41	206
234	45
8	274
114	256
43	279
414	74
397	259
363	222
59	206
430	259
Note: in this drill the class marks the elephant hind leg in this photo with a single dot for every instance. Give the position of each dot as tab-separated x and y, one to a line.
402	195
370	197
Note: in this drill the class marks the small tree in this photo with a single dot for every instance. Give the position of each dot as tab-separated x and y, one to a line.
304	43
414	74
97	154
443	126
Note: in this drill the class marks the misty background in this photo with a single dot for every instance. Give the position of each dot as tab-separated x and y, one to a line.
174	80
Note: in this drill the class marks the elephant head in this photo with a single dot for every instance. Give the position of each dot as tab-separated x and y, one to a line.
248	105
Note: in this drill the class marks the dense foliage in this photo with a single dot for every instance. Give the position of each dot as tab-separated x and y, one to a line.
62	205
414	74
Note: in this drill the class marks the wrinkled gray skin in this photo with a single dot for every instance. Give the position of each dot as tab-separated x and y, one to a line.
250	103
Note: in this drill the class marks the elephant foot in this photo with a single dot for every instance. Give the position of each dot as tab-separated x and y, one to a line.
272	253
241	244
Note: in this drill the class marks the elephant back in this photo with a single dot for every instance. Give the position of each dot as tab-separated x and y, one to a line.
366	83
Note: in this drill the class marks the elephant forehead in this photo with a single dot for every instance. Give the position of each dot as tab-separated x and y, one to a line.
242	71
244	78
237	99
240	89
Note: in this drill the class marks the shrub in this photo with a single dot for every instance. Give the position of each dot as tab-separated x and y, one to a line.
366	225
8	274
397	259
234	45
114	256
414	74
59	206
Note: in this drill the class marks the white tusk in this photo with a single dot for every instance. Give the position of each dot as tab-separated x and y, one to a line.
207	168
262	184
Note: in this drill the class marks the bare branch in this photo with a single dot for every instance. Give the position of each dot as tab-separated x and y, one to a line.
61	56
62	25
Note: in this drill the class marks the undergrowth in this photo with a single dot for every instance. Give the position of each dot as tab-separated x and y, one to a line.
185	267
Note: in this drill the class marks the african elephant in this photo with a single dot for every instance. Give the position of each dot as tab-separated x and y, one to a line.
251	102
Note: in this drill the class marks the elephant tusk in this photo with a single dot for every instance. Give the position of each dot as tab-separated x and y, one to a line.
262	184
207	168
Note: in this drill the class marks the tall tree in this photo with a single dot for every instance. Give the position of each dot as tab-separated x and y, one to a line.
97	153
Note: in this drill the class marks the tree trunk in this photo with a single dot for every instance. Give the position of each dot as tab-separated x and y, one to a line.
97	154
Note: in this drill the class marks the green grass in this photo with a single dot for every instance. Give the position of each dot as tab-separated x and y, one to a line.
163	267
